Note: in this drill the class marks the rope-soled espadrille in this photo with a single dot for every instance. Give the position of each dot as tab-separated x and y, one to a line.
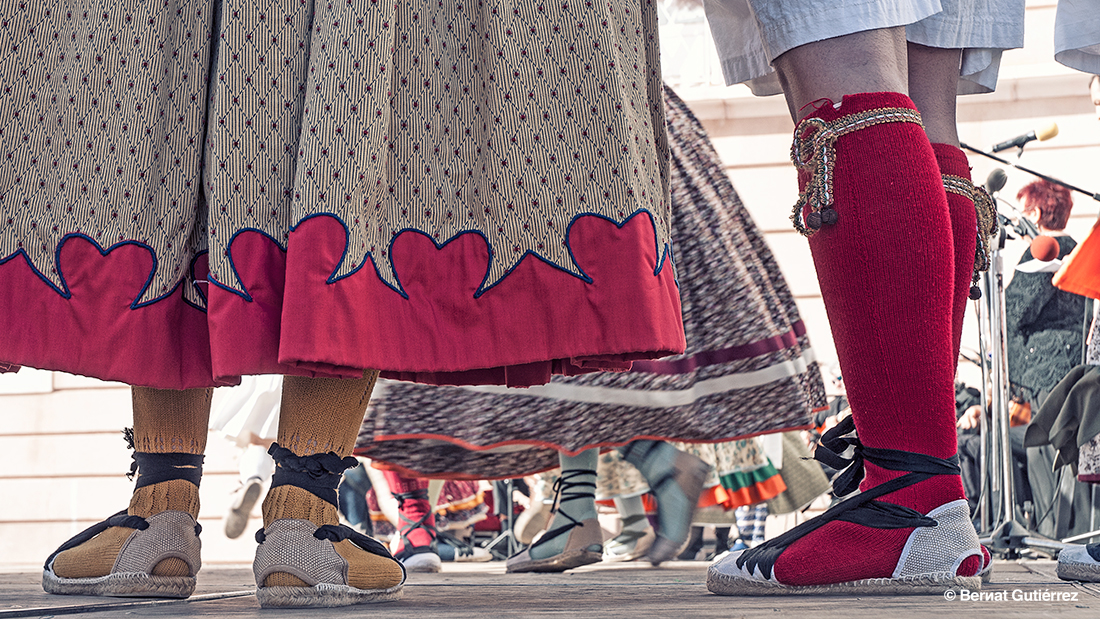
302	549
169	534
302	563
155	556
928	565
584	541
1080	563
929	562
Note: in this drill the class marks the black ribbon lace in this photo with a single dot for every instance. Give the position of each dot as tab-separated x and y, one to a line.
861	509
319	473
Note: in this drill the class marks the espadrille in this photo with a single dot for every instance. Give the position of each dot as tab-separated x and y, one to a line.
425	557
930	562
301	563
306	551
167	535
158	557
584	546
1080	563
928	565
686	477
584	541
630	545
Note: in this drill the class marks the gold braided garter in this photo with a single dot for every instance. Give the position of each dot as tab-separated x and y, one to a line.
987	223
814	146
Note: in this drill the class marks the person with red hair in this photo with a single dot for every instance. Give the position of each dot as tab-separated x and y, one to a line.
1043	322
1048	203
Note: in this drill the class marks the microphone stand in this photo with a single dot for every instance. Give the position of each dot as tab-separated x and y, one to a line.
1093	195
504	508
1005	535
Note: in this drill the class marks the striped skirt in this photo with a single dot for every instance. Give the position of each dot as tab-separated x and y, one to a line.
748	368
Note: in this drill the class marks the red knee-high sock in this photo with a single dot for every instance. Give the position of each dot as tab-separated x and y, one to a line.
886	270
413	505
964	224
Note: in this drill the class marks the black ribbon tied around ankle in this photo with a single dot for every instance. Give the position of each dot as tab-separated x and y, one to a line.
861	509
153	468
566	489
319	474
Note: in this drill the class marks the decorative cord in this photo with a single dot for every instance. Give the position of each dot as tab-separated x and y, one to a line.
986	224
814	146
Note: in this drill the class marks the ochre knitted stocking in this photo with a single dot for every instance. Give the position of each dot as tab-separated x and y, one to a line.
886	270
165	421
320	415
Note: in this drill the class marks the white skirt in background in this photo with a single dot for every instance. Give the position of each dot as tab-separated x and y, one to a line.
1077	35
250	408
750	34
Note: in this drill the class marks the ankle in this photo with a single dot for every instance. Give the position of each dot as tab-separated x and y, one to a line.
923	496
299	504
576	496
175	494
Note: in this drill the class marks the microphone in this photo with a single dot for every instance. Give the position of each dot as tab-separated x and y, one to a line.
1044	248
995	181
1043	133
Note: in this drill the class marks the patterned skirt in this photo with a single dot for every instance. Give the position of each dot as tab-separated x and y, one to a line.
748	368
451	192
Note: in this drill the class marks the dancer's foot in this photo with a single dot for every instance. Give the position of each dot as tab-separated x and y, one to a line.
582	545
574	537
876	547
305	557
676	478
149	550
415	544
694	545
533	519
632	543
721	543
463	553
240	507
1080	563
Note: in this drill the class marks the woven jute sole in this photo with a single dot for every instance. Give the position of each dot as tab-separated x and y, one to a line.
324	595
133	584
927	584
558	563
1078	571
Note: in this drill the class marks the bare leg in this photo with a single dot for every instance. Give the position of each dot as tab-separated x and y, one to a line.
871	61
933	81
